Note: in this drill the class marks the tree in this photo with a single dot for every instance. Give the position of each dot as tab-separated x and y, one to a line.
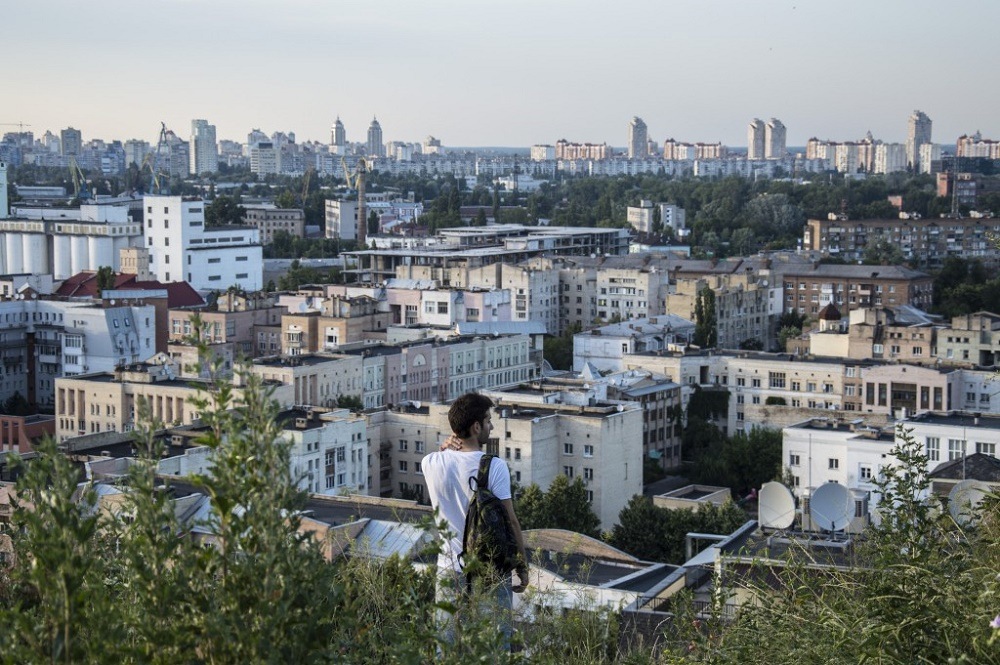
706	329
563	506
659	534
558	351
224	210
882	251
374	223
352	402
285	200
105	279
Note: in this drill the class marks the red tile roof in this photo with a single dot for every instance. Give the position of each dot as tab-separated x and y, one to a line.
84	285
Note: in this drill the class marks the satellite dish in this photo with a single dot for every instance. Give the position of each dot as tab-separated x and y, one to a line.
964	500
112	301
776	506
831	508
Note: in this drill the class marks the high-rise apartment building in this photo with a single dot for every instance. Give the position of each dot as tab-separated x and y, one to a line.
72	141
338	138
755	139
204	149
638	139
918	133
890	157
375	147
774	139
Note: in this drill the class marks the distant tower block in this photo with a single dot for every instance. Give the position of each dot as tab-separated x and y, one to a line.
4	209
135	261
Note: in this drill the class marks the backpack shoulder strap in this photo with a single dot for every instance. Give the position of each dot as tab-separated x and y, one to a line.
483	479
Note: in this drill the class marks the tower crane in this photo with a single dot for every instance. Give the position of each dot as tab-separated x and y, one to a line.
357	179
81	189
20	125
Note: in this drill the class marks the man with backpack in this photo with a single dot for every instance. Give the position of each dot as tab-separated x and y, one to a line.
452	476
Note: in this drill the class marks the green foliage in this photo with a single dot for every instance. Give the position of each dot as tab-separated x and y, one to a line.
658	534
352	402
16	405
922	590
964	286
59	608
224	210
285	200
299	274
558	351
742	462
882	252
706	331
563	506
775	400
286	246
105	279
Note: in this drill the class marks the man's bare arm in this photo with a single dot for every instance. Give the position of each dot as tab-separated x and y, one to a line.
522	570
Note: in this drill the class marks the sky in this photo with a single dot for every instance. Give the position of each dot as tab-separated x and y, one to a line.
512	73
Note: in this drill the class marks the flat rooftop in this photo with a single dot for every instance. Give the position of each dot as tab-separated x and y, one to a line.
958	419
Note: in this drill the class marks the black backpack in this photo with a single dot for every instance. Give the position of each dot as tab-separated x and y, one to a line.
488	537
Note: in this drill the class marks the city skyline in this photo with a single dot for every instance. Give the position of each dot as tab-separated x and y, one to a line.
531	74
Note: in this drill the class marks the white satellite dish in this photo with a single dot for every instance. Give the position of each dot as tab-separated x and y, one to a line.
831	508
776	506
965	499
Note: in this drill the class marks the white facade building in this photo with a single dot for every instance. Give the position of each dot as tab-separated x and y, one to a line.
329	453
204	149
890	157
182	249
774	139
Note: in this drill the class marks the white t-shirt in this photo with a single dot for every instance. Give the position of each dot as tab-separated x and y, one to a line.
447	473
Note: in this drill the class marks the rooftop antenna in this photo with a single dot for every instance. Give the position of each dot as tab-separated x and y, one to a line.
776	506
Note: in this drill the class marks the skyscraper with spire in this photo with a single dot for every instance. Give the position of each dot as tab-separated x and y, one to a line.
375	146
338	138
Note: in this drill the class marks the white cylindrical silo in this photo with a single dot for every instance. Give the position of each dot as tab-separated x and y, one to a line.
36	254
14	249
101	253
80	254
62	259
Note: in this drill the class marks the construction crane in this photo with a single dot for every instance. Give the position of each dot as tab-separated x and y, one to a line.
305	184
20	125
81	189
357	180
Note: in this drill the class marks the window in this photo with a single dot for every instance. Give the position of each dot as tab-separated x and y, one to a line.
418	446
794	459
403	466
568	471
865	473
755	383
567	449
933	448
776	379
588	473
833	463
986	448
517	454
417	468
403	445
588	451
956	448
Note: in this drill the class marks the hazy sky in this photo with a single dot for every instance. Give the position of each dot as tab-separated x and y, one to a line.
509	73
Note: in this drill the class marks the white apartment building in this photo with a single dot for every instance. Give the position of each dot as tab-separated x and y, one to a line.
315	380
181	248
852	453
329	450
543	153
341	219
640	217
600	444
204	148
265	158
41	340
606	347
774	139
890	157
930	156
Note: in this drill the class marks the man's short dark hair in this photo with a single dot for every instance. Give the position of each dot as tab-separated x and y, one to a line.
467	410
